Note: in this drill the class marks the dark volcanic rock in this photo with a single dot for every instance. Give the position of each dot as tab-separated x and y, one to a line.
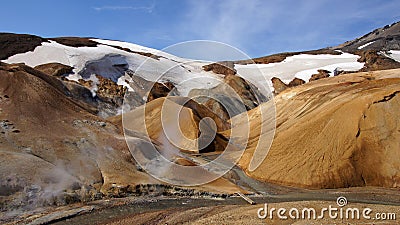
278	85
381	39
249	94
147	54
275	58
160	90
75	41
224	68
106	95
218	108
222	104
55	69
11	44
376	61
83	94
320	75
234	96
296	82
87	42
373	46
110	91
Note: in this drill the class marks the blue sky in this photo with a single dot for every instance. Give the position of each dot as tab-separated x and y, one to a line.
257	27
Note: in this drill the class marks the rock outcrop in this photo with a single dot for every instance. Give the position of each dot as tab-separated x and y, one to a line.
296	82
109	91
248	93
75	41
160	90
55	69
375	60
225	68
280	86
234	96
381	39
275	58
217	107
11	44
320	75
157	120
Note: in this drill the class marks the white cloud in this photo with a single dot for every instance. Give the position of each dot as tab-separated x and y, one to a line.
275	26
246	23
228	21
206	51
148	9
260	27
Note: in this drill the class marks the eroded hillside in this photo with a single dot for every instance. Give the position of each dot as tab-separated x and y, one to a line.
335	132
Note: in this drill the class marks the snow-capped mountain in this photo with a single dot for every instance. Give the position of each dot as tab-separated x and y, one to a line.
302	66
109	68
111	59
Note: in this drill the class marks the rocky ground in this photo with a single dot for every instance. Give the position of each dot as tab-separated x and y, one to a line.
205	209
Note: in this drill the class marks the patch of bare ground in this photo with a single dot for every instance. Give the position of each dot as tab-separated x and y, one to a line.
11	44
75	41
275	58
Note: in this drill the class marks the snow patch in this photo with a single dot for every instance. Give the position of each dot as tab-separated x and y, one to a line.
351	66
139	48
184	73
394	54
124	81
365	45
301	66
74	77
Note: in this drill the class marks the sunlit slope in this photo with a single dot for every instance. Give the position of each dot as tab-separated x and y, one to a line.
336	132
